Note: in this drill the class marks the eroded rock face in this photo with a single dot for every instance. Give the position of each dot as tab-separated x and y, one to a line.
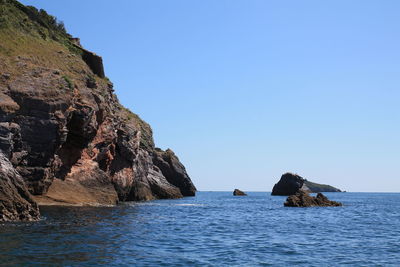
289	184
16	203
53	134
174	171
94	61
65	132
238	192
303	199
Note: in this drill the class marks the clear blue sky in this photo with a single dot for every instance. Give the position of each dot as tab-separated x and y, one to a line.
245	90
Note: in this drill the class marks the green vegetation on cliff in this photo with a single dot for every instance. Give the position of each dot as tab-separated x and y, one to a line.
61	123
314	187
34	38
29	20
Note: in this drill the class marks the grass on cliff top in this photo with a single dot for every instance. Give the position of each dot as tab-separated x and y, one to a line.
38	40
16	46
34	38
38	23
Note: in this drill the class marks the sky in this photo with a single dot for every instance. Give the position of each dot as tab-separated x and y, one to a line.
246	90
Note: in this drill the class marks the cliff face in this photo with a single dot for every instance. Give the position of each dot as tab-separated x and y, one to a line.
62	127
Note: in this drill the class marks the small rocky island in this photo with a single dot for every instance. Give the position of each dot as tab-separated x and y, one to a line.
238	192
298	189
303	199
290	184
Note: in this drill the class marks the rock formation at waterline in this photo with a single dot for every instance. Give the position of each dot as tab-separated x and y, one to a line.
290	184
303	199
63	128
15	201
238	192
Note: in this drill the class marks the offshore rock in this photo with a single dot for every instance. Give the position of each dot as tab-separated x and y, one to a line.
290	183
16	203
238	192
303	199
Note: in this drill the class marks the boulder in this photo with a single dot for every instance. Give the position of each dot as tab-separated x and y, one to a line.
238	192
16	203
303	199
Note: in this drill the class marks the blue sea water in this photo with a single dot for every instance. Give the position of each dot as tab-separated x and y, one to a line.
211	229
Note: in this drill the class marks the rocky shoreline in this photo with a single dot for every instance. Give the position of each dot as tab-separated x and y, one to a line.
66	140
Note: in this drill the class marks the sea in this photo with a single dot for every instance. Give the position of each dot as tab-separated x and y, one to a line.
211	229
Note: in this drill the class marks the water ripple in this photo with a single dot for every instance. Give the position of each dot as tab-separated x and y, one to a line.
211	229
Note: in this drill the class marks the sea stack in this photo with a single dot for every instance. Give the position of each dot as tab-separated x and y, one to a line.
238	192
303	199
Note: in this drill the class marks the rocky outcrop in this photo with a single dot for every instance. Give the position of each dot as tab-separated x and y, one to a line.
238	192
303	199
290	183
94	62
173	170
64	130
16	203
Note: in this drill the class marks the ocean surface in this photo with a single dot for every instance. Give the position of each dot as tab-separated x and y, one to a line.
211	229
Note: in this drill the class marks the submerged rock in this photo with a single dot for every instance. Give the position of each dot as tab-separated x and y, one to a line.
303	199
290	183
238	192
16	203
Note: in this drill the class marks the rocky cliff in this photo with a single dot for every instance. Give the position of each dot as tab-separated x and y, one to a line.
62	127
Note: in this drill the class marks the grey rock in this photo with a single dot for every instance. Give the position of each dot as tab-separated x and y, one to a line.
174	171
16	203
